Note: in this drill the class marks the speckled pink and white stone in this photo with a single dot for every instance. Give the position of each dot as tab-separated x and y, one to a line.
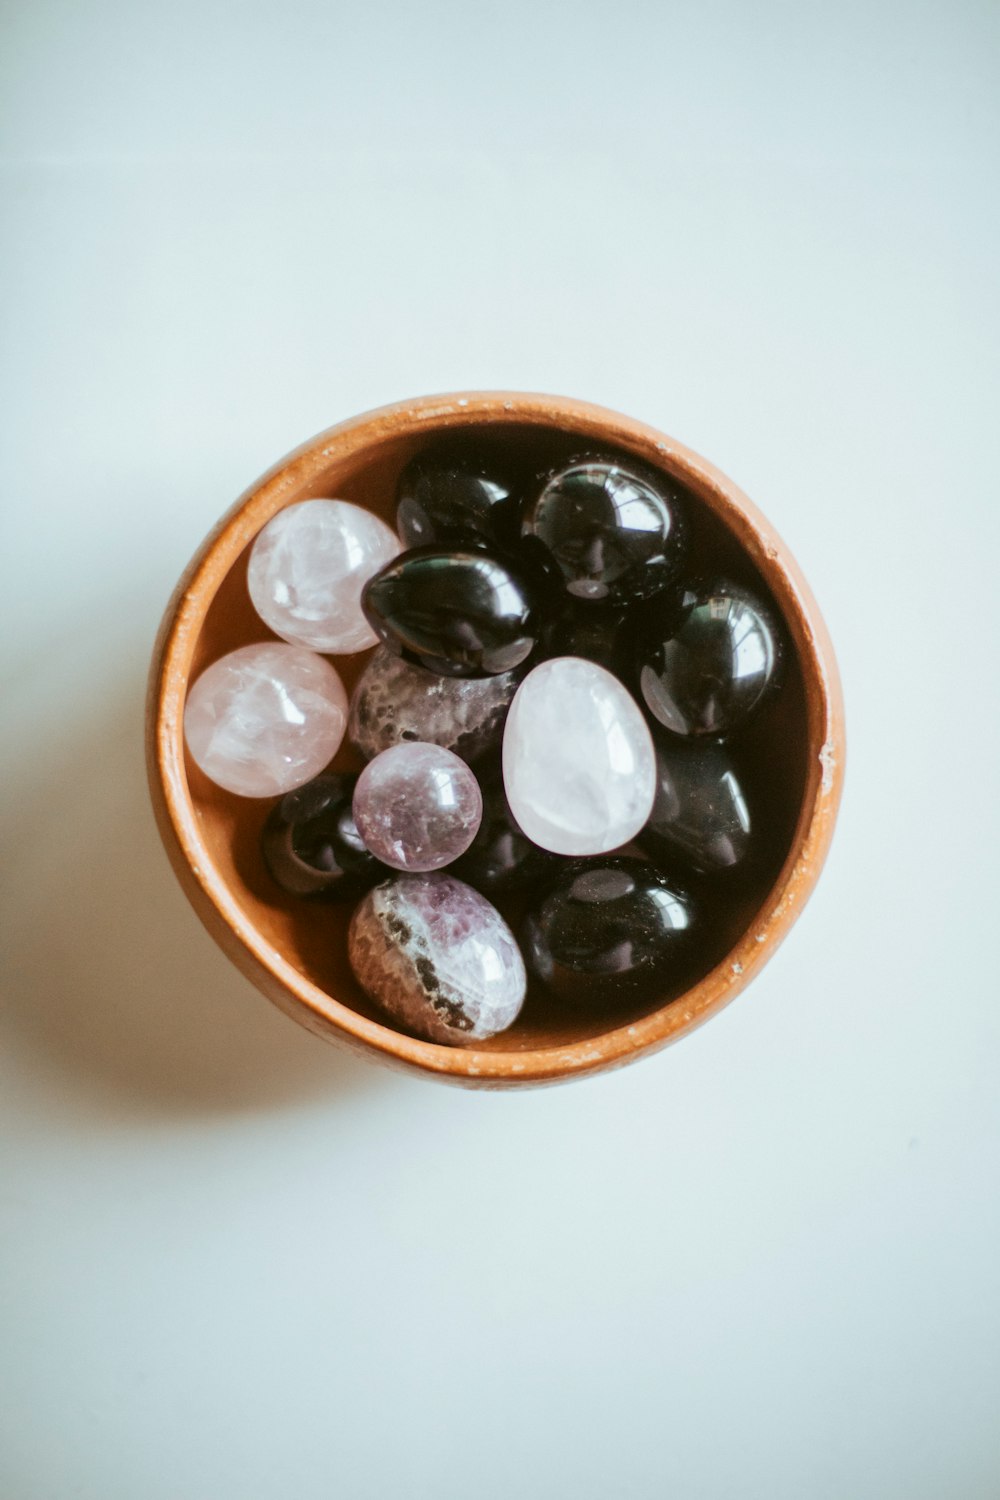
395	702
307	569
438	958
265	719
417	807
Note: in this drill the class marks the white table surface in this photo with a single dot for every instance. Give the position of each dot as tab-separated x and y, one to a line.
763	1264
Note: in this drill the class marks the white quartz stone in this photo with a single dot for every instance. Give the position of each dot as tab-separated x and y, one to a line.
578	762
266	718
307	569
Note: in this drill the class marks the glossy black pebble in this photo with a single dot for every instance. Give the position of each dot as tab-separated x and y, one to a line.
614	533
311	846
700	819
501	858
450	495
462	614
606	930
707	658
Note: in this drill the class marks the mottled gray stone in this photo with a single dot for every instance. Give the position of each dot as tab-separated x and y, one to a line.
438	958
394	702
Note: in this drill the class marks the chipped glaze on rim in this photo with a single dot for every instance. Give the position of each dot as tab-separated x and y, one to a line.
260	961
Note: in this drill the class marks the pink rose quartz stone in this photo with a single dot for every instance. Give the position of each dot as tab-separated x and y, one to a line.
307	569
265	719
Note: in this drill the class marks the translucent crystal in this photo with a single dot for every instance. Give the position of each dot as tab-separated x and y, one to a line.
417	807
438	958
578	760
265	719
308	567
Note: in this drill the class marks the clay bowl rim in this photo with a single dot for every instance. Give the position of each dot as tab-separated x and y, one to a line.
261	962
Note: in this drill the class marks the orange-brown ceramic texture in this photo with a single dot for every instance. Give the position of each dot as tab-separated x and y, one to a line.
295	951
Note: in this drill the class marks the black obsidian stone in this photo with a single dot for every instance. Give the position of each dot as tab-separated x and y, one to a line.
501	859
461	614
608	929
614	532
597	632
700	819
708	655
311	846
452	495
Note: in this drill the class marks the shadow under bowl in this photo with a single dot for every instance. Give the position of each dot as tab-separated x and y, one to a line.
294	951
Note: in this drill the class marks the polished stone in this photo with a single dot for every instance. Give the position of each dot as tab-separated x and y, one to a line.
311	845
307	569
614	532
266	718
395	701
578	761
438	958
708	656
501	859
607	931
700	819
462	614
417	807
453	495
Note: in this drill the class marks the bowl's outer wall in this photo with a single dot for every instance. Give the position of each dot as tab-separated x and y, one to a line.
273	971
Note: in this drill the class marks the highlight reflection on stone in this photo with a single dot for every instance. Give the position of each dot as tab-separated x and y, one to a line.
311	845
700	819
266	718
463	614
707	658
578	761
614	532
453	495
438	958
307	569
417	807
606	930
395	701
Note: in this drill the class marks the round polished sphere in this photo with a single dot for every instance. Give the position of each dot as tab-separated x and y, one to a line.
311	845
700	819
607	930
453	495
613	533
417	807
307	569
265	719
463	614
708	658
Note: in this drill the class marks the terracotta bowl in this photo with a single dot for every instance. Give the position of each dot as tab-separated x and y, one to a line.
295	952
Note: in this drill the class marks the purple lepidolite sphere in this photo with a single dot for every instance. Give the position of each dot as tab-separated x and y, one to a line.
438	958
417	807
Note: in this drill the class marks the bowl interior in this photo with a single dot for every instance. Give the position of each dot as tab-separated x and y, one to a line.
773	754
